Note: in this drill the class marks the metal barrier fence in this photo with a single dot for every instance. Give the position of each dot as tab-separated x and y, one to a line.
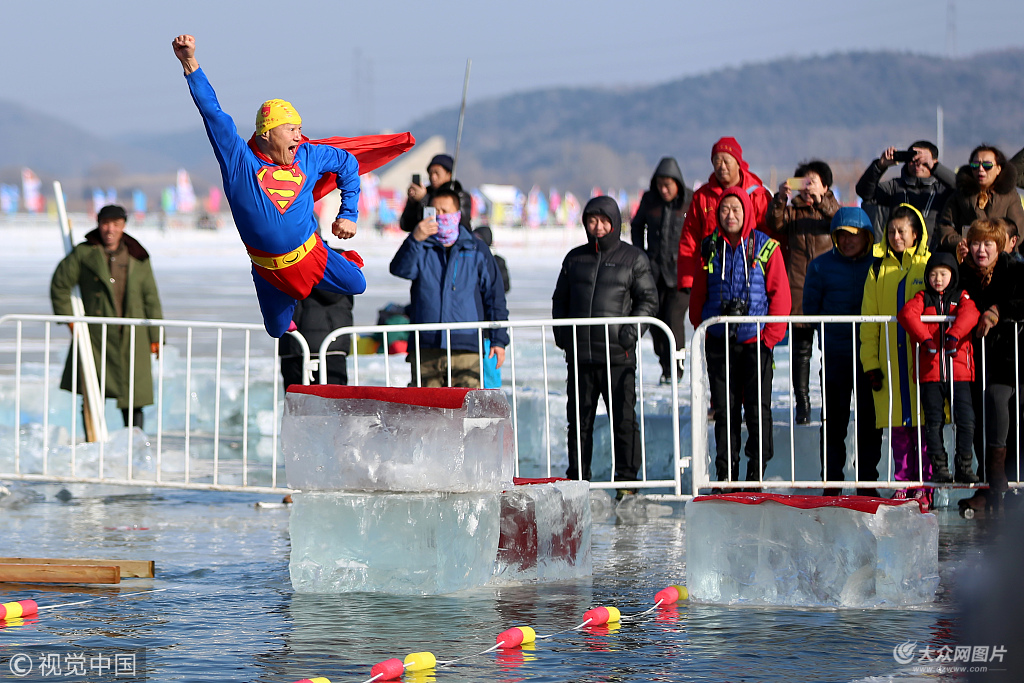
215	419
527	360
803	456
216	412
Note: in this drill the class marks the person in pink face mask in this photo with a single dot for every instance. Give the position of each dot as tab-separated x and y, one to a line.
454	279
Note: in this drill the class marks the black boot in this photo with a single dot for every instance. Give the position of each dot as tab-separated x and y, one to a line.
723	473
801	367
964	473
997	481
940	468
752	474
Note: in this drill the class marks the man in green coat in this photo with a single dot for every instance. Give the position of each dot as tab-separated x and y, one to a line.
115	279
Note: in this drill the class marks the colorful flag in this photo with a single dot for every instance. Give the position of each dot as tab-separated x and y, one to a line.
623	201
572	210
99	199
214	200
9	196
554	201
369	195
139	204
479	203
167	200
533	208
518	207
389	207
184	195
30	190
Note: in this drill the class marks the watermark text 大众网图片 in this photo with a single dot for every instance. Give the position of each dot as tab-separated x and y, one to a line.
949	658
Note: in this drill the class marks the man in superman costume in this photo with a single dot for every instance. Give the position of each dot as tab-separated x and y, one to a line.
271	183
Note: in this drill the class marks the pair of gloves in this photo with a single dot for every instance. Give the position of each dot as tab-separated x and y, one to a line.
929	346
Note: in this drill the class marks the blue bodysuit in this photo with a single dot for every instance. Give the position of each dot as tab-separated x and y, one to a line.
273	210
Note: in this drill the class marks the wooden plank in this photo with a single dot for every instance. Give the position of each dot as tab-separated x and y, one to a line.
64	573
130	569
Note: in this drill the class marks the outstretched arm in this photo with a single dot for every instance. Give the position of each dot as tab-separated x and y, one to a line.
227	145
185	50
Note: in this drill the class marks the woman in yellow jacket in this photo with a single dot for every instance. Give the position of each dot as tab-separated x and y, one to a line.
886	351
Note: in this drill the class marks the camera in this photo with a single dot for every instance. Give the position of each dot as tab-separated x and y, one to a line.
735	307
904	157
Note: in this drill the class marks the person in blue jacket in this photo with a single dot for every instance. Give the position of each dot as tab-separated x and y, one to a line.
269	185
835	286
454	279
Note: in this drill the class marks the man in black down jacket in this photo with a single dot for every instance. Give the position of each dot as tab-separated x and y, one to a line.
923	183
315	317
603	278
661	213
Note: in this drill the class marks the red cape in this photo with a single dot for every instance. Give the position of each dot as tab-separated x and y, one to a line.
371	151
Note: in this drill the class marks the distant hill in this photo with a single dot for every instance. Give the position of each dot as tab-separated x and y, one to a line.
844	108
57	150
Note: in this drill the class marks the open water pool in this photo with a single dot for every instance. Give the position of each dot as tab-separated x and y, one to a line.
229	613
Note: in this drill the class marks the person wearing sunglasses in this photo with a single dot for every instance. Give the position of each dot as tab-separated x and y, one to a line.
985	188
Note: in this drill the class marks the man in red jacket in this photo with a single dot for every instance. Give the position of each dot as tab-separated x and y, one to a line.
701	219
943	345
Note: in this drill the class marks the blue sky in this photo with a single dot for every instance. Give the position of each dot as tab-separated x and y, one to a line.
107	65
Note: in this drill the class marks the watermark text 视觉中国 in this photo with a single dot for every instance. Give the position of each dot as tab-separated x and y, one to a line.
44	663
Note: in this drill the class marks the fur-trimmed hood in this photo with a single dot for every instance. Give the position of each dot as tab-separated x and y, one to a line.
135	250
1005	183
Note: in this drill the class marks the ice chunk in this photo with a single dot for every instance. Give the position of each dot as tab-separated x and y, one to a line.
108	460
545	532
366	444
832	556
400	543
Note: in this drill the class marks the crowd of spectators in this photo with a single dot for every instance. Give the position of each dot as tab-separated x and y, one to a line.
932	241
937	243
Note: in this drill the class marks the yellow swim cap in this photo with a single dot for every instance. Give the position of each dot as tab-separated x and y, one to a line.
274	113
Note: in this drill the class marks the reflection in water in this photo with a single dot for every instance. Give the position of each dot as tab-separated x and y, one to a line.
231	615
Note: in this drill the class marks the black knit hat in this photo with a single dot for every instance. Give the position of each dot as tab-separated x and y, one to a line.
111	212
442	160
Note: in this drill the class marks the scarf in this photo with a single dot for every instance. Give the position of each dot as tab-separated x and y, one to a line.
448	228
984	275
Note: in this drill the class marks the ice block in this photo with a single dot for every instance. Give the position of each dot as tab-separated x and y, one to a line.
389	439
545	531
401	543
811	551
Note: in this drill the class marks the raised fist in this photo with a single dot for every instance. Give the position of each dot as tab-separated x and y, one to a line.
184	47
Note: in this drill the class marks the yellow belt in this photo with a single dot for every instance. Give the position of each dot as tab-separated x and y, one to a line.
285	260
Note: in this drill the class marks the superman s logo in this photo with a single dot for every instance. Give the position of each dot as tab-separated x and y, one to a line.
281	184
